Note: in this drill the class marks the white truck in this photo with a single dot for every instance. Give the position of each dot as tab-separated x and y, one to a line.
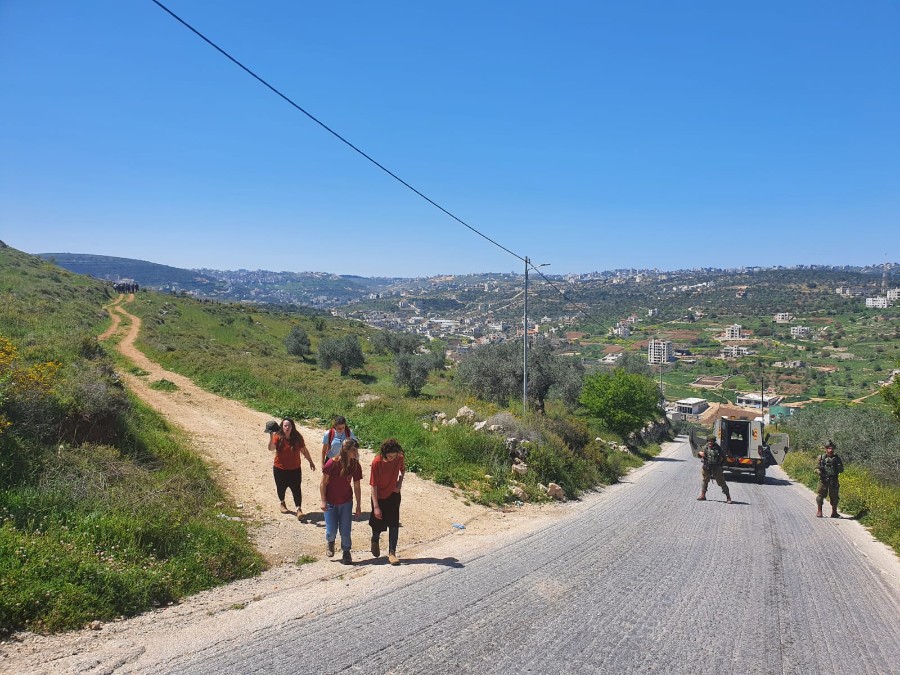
745	447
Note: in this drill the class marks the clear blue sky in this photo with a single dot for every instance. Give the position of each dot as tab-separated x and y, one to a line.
590	135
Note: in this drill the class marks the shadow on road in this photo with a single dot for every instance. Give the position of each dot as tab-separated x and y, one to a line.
665	459
748	478
444	562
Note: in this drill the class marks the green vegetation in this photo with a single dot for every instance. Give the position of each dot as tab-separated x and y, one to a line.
164	385
868	440
875	503
103	511
624	401
297	343
238	351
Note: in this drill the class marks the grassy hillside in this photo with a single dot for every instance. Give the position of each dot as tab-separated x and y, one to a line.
238	351
145	273
103	510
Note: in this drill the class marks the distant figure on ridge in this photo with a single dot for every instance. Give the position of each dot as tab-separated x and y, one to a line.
830	465
386	479
288	445
712	468
340	482
334	438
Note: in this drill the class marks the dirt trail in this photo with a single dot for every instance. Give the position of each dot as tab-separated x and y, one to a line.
230	436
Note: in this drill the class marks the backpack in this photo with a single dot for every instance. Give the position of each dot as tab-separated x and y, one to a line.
348	434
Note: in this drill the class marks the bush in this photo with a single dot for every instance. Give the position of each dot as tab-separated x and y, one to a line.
297	342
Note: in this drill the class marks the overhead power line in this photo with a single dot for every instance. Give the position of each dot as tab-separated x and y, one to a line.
276	91
356	149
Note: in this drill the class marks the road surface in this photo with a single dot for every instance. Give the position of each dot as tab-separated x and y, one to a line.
643	579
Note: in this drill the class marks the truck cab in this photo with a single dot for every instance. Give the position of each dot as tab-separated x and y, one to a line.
745	446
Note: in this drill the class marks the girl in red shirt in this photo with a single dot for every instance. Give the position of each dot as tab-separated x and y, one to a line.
386	480
341	476
288	445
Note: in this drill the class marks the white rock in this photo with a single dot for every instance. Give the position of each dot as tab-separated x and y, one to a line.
452	422
495	428
519	469
478	426
466	414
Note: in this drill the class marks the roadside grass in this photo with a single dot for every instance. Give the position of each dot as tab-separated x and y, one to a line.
872	502
163	385
103	510
101	532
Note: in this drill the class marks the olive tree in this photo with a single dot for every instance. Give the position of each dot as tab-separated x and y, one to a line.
345	351
411	372
297	342
494	373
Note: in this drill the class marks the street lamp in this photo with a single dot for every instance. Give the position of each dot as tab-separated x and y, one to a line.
525	339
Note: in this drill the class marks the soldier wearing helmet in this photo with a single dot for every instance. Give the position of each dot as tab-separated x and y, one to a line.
830	465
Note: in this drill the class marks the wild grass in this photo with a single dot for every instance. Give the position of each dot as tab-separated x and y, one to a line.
103	510
874	503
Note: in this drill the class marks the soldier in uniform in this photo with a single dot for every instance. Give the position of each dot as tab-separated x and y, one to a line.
712	468
830	465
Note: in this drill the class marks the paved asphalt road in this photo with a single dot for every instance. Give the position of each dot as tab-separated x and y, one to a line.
644	580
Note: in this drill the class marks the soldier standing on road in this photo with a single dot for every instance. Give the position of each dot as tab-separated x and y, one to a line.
830	465
712	468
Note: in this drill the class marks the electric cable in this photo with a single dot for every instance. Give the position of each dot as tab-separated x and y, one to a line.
329	129
359	151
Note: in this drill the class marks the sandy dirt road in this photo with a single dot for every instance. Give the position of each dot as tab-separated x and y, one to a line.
230	436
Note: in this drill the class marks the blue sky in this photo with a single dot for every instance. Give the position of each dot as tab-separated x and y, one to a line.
590	135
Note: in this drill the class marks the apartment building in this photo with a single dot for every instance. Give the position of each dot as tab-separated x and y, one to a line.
800	331
733	332
659	351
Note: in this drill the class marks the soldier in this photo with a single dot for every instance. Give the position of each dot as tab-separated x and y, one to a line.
712	468
830	465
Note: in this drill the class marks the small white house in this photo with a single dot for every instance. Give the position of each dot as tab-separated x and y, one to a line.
691	406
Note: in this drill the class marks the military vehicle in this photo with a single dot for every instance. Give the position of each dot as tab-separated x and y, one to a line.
745	447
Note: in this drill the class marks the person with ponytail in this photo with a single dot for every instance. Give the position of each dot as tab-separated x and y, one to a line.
341	477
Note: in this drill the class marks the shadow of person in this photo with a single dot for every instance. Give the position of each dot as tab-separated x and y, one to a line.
443	562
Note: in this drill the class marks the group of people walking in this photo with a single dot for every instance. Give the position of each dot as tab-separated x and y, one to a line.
828	467
341	479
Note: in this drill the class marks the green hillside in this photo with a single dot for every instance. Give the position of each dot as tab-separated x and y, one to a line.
103	510
147	274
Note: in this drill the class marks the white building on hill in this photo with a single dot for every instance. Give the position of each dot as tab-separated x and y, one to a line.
733	332
659	351
800	331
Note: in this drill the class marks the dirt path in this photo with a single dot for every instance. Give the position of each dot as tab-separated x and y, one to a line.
230	436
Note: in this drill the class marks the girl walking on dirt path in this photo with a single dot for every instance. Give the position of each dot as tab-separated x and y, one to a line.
386	480
288	445
338	474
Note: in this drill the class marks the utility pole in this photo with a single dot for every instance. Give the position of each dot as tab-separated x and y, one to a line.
525	345
525	339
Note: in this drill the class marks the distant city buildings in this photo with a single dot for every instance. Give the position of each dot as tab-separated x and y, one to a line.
652	312
878	302
784	317
800	331
659	351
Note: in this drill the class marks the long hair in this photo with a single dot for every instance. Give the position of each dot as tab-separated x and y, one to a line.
348	463
296	438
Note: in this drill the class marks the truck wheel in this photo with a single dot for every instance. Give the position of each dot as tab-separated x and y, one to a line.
760	475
